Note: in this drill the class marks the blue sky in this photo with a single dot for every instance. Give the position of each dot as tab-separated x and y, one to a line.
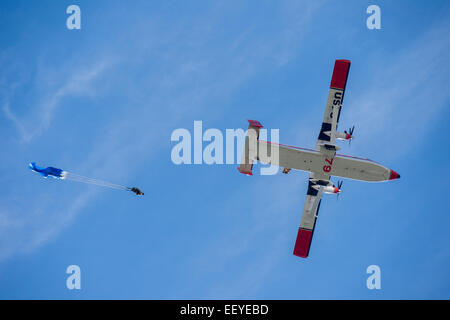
103	101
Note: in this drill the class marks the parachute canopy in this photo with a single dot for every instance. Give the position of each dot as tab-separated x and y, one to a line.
46	172
62	174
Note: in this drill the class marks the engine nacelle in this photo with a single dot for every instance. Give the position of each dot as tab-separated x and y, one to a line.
343	135
331	189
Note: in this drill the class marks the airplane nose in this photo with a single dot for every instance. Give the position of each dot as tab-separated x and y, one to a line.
394	175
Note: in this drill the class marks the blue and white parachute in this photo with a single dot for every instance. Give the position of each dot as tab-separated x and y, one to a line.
48	172
62	174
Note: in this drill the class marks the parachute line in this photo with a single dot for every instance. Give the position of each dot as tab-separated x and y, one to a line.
75	177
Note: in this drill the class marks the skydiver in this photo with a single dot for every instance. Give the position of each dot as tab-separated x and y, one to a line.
62	174
137	191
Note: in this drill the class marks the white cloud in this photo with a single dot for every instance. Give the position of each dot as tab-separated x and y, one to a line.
403	96
80	82
395	108
136	128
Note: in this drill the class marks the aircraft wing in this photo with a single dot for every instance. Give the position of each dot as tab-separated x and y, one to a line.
334	103
308	220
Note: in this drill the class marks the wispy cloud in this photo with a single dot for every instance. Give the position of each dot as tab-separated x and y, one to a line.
165	92
79	83
404	94
188	77
22	233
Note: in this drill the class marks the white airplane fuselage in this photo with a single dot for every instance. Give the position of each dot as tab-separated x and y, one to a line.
320	165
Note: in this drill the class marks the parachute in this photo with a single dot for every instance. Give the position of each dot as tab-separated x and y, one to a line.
62	174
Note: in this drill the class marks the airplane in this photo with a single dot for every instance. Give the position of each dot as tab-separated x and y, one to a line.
322	162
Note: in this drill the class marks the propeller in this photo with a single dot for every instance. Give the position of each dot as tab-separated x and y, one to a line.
339	185
350	132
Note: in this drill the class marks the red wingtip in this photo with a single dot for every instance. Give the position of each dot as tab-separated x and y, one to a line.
340	74
344	60
245	172
303	242
394	175
255	123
